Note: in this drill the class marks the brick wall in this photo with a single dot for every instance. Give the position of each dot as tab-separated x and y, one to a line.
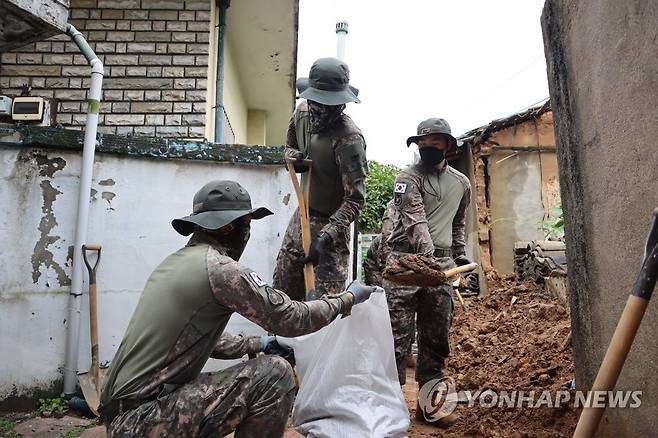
155	54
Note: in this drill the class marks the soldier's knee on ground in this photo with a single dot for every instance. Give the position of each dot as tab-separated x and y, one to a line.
278	371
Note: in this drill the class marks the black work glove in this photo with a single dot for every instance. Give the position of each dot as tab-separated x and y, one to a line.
462	260
317	250
360	292
270	345
299	164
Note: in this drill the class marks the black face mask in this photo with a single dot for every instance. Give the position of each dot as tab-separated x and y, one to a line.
323	116
430	157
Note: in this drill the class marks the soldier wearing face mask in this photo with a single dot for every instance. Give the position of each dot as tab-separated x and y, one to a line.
321	132
431	199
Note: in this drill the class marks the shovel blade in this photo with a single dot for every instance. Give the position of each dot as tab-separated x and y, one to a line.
91	389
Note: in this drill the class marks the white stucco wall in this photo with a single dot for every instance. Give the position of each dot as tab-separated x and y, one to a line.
131	211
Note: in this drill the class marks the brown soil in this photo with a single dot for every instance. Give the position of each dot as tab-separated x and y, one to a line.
503	346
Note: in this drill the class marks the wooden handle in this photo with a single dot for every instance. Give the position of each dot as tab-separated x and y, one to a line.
302	200
93	329
613	362
459	269
91	247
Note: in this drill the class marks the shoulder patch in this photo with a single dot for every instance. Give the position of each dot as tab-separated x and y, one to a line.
274	296
400	188
255	276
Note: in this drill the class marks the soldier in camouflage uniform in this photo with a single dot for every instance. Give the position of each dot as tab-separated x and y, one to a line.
321	132
431	199
155	386
373	265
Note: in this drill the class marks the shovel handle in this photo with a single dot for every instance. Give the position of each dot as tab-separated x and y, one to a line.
91	269
459	269
93	306
622	339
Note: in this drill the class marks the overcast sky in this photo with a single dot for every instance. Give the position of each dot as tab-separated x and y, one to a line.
468	61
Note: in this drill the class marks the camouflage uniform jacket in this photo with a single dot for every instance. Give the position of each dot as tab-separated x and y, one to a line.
432	215
180	319
350	159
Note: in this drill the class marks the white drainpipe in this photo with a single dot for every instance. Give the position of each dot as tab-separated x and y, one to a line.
89	148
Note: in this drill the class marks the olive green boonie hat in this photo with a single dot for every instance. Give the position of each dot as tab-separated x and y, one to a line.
218	203
433	126
328	83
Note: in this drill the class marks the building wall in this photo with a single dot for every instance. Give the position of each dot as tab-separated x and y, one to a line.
234	99
604	95
155	54
133	201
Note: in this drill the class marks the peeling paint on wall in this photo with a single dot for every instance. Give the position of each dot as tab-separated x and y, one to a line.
286	199
106	182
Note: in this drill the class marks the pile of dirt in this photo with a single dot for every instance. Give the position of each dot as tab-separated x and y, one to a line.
515	338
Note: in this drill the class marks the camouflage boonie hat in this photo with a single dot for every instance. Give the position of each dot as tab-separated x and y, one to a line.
218	203
328	83
433	126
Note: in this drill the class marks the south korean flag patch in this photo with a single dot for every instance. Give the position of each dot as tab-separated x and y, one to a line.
255	276
400	188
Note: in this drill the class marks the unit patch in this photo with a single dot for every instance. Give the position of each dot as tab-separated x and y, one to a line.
274	296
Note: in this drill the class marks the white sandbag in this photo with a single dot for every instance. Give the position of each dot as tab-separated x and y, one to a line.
348	378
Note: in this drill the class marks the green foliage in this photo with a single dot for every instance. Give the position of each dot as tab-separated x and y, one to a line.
51	405
76	431
553	226
6	425
379	190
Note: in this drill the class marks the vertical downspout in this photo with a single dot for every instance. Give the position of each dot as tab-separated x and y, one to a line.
89	148
219	70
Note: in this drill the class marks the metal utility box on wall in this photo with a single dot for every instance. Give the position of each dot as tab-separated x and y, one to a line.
27	108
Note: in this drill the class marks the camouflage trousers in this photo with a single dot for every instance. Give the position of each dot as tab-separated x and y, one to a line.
330	273
252	398
432	307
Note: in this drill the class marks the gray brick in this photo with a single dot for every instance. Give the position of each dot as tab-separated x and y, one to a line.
79	13
78	23
144	131
75	83
4	82
183	60
202	15
141	47
71	94
124	119
159	25
31	70
141	25
121	47
105	47
161	48
123	25
194	119
60	37
96	35
57	82
112	95
183	107
157	119
184	84
136	71
121	36
202	60
152	95
126	131
94	14
46	94
58	59
195	95
118	4
197	49
186	16
203	37
173	72
196	132
133	95
136	14
75	71
163	15
107	129
79	119
81	60
173	119
198	26
69	107
121	107
112	14
176	48
43	46
202	5
196	72
163	4
121	60
137	83
152	107
64	119
29	58
154	60
173	95
18	82
171	131
154	72
57	48
201	84
177	26
38	82
183	37
118	72
8	58
153	36
199	107
101	25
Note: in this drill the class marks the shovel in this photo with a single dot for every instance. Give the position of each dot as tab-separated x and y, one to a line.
91	382
302	200
622	339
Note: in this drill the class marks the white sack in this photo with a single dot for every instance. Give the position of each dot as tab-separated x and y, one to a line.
348	378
